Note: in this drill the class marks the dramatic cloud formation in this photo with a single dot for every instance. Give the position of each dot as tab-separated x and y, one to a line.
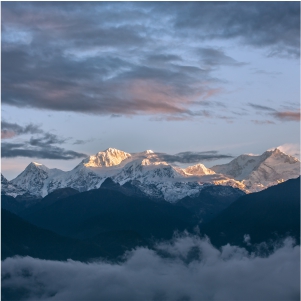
278	29
189	269
132	58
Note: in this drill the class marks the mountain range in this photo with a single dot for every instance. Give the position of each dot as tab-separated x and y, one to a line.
153	177
106	222
115	201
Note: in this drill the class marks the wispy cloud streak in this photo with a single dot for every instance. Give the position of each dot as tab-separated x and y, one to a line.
192	157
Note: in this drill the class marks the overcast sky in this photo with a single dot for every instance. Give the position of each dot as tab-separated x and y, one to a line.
215	77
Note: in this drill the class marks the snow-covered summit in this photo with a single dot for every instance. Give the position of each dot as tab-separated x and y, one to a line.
156	177
36	166
149	151
35	178
148	169
198	170
107	158
262	171
3	180
7	188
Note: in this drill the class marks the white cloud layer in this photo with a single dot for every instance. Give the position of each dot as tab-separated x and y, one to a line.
227	274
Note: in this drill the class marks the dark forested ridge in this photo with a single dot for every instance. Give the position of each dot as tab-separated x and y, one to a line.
19	237
268	214
89	213
107	222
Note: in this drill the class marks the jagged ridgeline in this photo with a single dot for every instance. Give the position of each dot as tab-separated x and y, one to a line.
153	177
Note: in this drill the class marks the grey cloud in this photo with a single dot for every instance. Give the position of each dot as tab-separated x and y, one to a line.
260	71
226	274
273	25
207	103
59	56
260	107
46	140
123	88
263	121
192	157
183	115
115	116
79	141
287	115
12	150
162	58
281	115
9	130
42	146
216	57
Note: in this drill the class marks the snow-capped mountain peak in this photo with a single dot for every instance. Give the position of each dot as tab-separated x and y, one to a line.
157	178
7	188
277	153
3	180
36	166
32	178
107	158
149	151
146	170
259	172
199	170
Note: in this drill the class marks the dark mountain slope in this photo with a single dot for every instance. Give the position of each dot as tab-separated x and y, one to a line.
87	214
49	199
11	204
271	213
129	188
24	204
211	201
19	237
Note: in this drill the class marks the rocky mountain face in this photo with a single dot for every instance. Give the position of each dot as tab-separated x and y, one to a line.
155	178
8	188
260	172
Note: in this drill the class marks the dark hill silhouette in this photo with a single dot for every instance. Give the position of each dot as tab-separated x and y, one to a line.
211	201
49	199
18	237
90	213
268	214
